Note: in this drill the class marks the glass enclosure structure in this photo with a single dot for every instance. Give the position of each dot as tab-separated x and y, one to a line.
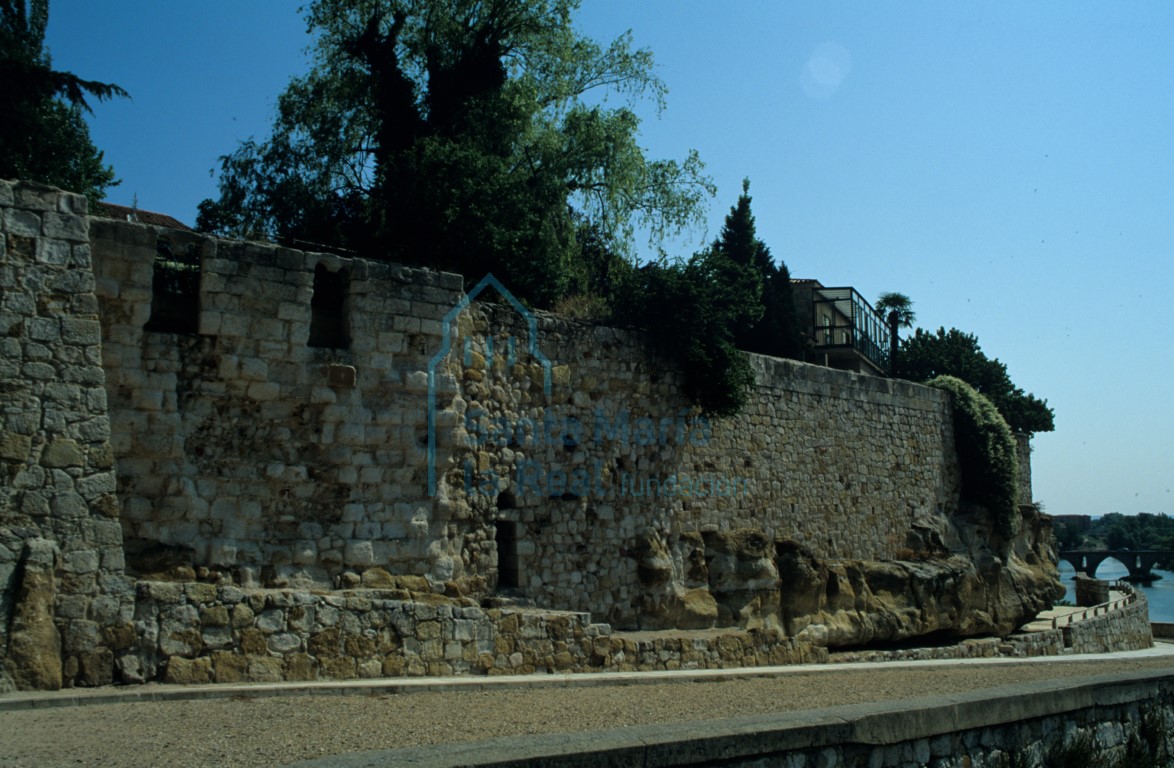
846	331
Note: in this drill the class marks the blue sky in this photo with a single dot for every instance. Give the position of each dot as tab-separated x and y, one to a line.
1009	166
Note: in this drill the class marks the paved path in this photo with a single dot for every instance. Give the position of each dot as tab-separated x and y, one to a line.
273	724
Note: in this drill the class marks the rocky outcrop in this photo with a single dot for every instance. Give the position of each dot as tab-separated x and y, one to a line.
957	580
942	594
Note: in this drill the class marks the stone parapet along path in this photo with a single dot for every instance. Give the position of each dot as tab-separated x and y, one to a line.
273	724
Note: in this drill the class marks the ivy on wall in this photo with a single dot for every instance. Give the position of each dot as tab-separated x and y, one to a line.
986	453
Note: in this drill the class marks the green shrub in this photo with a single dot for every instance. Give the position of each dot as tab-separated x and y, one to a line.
986	453
692	312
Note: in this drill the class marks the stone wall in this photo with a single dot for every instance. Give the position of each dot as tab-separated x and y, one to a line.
560	451
1120	626
256	429
65	604
200	633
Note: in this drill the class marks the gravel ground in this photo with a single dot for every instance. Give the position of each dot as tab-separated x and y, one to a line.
263	731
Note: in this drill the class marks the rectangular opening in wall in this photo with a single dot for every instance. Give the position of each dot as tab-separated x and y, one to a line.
175	288
329	324
506	538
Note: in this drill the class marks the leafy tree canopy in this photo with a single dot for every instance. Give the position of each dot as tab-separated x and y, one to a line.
43	134
925	356
472	135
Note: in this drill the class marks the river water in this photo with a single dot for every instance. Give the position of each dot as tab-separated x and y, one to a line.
1160	593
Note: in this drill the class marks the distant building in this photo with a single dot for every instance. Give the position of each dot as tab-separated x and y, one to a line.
137	216
842	329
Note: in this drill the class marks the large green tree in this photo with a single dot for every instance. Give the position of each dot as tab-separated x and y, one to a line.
926	355
777	331
472	135
43	133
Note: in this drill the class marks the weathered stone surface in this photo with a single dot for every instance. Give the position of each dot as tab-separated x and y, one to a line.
189	671
63	453
854	602
244	457
34	644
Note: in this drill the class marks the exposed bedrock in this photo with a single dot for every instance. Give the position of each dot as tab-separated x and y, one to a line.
957	581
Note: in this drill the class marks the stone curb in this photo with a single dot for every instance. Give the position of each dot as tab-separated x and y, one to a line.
761	736
386	686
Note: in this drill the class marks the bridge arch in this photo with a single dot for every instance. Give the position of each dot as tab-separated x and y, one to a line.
1139	563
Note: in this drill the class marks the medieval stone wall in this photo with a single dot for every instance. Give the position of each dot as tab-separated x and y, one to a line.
474	442
65	605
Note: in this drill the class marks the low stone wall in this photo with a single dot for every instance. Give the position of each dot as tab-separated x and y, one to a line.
1047	643
1017	725
1123	627
200	633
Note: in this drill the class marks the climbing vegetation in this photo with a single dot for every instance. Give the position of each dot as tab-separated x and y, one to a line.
986	453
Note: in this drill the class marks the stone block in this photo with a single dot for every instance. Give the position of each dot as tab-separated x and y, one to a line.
81	636
359	552
34	643
65	226
253	369
15	447
342	376
68	506
96	667
300	667
80	561
284	642
188	671
252	641
264	669
229	667
44	329
54	253
35	197
22	223
78	331
271	621
70	202
214	616
337	668
264	391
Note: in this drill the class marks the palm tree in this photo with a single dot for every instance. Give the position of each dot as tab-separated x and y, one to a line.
897	309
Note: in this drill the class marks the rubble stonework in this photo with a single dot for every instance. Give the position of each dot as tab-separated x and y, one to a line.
65	603
235	445
297	443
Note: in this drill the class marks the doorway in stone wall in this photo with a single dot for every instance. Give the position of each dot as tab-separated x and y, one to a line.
506	538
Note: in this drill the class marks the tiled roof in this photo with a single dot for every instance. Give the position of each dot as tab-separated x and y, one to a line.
123	213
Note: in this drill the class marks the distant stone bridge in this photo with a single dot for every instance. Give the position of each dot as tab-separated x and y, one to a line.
1138	561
